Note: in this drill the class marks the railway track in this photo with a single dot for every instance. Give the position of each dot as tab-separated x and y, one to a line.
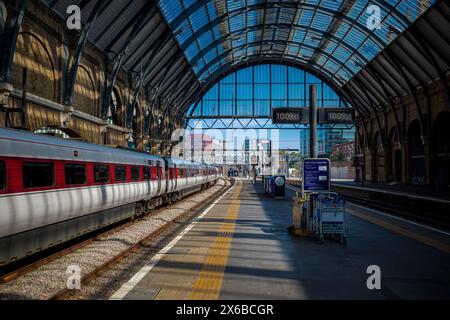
22	269
410	207
66	292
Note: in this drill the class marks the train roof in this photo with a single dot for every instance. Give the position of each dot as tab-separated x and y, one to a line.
186	163
20	143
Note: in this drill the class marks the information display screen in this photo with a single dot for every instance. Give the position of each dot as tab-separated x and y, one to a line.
289	115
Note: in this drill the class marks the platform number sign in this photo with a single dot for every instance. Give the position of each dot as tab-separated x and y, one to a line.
316	175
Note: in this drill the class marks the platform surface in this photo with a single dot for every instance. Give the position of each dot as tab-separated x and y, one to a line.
240	249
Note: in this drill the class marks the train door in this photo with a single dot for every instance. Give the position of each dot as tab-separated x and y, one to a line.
158	171
167	172
175	177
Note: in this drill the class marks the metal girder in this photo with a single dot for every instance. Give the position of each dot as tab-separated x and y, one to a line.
362	104
228	52
407	56
263	29
179	82
372	87
363	122
165	70
374	110
3	19
181	73
219	74
184	103
132	105
426	51
143	73
184	88
298	13
129	56
388	99
8	36
293	4
226	37
157	45
137	25
71	76
344	8
411	88
112	20
388	76
390	68
142	16
443	55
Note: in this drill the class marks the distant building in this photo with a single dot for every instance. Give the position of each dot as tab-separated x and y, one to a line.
326	139
346	149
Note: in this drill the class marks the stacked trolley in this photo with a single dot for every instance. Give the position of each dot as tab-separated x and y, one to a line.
323	211
328	212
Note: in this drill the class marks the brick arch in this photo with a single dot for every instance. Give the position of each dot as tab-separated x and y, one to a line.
394	156
32	53
416	154
84	97
440	169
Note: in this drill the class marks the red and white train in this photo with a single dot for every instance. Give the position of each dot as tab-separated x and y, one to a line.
53	189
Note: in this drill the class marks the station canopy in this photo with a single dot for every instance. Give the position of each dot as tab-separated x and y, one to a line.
185	46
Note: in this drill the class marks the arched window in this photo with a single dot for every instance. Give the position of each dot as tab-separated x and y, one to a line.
115	108
441	152
416	153
255	90
246	98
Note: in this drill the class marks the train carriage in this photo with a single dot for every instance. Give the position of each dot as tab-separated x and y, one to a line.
52	189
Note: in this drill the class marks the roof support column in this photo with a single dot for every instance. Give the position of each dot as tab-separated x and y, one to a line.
429	54
10	24
391	56
119	60
142	75
71	76
376	75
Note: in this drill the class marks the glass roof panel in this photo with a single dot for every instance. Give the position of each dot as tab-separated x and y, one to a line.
336	37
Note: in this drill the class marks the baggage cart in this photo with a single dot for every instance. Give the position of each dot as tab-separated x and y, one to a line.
328	216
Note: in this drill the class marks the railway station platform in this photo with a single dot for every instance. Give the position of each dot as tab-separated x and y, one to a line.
421	203
239	248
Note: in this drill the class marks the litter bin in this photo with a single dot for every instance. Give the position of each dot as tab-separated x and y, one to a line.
279	186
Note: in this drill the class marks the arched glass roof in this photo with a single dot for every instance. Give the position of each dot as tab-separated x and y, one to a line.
335	37
178	49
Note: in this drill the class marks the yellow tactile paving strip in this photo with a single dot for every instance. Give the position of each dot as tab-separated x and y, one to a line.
209	281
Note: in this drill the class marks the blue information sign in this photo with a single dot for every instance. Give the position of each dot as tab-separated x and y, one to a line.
316	175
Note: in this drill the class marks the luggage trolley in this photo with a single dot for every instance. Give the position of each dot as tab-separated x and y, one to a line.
328	213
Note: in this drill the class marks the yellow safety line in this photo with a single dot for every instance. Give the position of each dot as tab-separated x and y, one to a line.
209	281
404	232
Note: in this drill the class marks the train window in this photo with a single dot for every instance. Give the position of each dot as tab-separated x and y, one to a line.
2	175
38	174
75	173
154	173
101	173
135	173
120	173
146	173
